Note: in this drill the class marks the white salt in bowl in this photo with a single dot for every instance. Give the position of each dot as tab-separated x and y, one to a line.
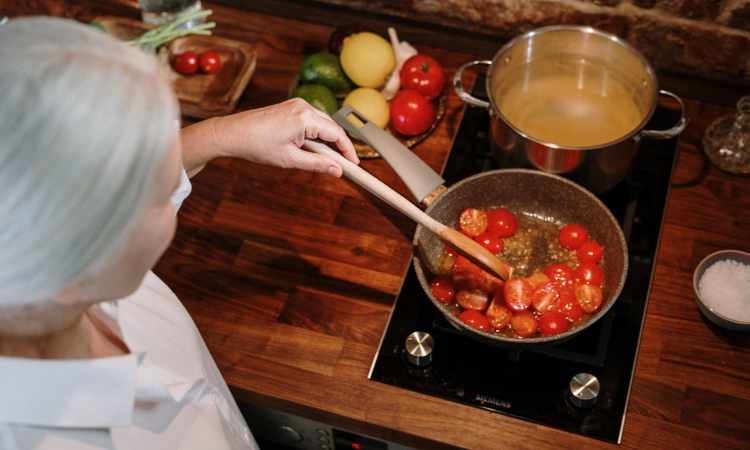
722	286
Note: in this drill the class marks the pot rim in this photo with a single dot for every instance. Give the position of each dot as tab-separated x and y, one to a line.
583	29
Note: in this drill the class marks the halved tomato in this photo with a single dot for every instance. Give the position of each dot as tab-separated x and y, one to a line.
552	323
537	279
502	222
472	222
474	299
589	297
546	297
443	290
560	272
475	319
498	315
468	276
517	292
570	309
524	324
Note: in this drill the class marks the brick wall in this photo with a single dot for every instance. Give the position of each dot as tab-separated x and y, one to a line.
708	38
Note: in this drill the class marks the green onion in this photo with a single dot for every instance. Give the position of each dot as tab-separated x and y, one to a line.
152	39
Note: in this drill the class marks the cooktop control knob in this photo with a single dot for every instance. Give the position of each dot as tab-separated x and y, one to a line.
584	390
418	348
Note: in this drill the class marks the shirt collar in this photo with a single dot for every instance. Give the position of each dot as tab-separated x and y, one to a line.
91	393
85	393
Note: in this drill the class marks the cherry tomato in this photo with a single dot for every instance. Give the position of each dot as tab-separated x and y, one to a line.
443	290
517	292
472	222
474	299
572	236
491	242
570	309
186	63
560	272
552	323
546	297
502	222
449	250
524	324
537	279
475	319
589	297
498	315
590	251
209	62
411	112
423	74
589	273
468	276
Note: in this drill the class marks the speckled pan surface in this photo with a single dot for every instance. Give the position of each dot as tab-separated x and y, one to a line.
542	195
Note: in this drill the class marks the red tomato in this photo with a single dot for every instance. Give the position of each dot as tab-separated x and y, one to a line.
502	222
411	112
517	292
498	315
449	250
475	319
546	297
537	279
474	299
472	222
590	251
570	309
589	273
468	276
589	297
491	242
443	290
209	62
524	324
552	323
186	63
423	74
560	272
572	236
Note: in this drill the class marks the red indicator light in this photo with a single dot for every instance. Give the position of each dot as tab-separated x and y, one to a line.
356	446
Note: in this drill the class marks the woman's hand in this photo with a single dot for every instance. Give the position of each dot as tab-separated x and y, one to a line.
274	136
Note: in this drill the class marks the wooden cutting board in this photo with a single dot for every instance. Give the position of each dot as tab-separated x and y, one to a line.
200	95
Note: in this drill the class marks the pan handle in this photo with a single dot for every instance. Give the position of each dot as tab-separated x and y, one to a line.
678	128
376	187
415	173
458	85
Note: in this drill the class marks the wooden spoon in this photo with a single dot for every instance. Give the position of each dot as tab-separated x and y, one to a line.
462	243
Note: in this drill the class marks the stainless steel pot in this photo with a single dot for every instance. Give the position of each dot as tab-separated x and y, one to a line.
594	61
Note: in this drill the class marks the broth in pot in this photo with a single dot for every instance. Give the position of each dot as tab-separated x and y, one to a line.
574	107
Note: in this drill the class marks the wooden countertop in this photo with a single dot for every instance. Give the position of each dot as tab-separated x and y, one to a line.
290	278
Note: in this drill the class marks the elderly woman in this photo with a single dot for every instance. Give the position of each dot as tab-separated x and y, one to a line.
95	351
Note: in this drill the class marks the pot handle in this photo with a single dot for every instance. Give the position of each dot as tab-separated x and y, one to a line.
458	85
678	128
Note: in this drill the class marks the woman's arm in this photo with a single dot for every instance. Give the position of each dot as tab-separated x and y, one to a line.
272	135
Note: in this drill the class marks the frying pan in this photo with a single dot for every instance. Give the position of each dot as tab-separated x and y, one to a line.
525	192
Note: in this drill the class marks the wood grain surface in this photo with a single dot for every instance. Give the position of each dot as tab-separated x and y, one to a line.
290	277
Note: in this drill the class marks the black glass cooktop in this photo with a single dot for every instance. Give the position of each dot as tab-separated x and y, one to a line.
534	384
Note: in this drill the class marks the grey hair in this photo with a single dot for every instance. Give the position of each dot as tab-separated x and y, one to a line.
85	120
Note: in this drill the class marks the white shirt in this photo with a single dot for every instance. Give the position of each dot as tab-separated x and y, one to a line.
166	394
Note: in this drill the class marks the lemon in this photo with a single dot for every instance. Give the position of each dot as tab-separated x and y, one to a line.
367	59
371	104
